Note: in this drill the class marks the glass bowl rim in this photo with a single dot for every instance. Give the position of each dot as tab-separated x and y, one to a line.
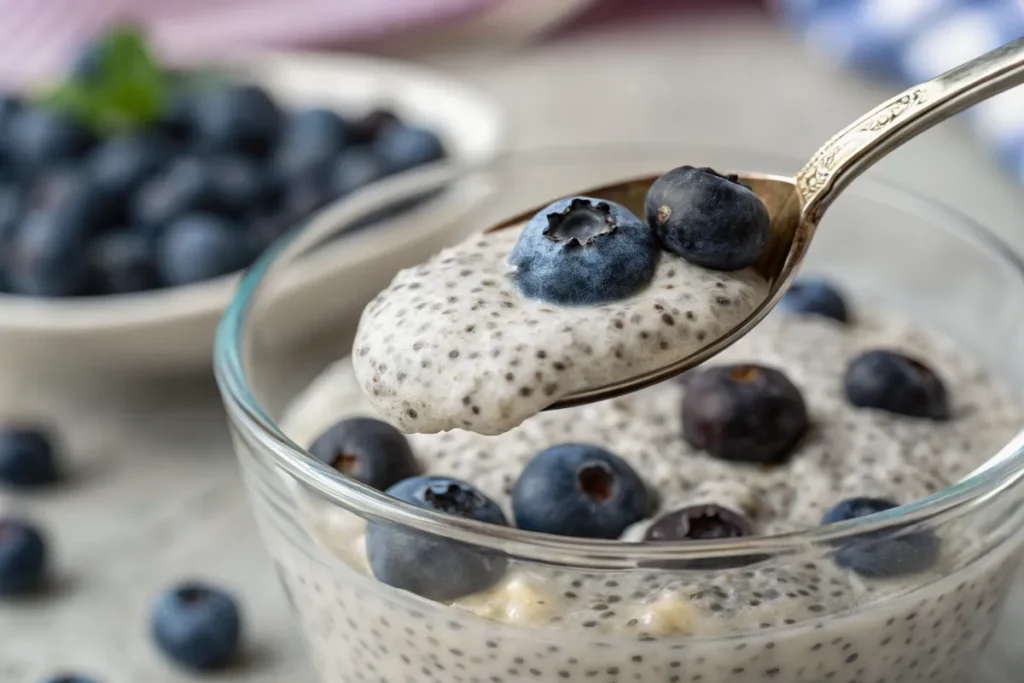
249	416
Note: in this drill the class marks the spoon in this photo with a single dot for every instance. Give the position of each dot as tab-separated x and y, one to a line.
796	205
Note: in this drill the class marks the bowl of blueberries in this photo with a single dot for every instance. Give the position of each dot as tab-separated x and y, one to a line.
133	195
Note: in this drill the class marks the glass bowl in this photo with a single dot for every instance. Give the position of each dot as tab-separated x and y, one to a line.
879	242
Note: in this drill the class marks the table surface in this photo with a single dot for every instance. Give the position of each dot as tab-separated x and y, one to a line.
155	494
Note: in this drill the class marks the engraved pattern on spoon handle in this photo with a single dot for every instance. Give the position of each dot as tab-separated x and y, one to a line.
854	149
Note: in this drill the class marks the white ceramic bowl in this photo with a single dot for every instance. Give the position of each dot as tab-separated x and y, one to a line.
171	331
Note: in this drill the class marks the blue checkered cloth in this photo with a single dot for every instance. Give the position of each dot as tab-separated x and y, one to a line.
909	41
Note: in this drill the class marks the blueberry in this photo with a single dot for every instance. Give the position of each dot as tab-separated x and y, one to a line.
186	185
699	523
40	137
306	194
70	678
242	186
703	523
814	296
23	557
354	169
404	147
12	207
881	554
310	140
198	626
121	164
708	219
10	105
178	119
368	127
122	262
744	413
427	565
266	228
27	457
583	251
896	383
47	256
367	450
70	193
88	64
198	247
579	490
237	118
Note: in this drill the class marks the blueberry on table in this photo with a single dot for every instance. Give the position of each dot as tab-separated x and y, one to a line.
122	163
39	137
186	185
881	554
579	490
368	450
896	383
403	147
47	256
583	251
744	413
237	118
198	247
197	626
368	127
430	566
708	219
122	262
353	169
27	457
815	296
23	558
311	138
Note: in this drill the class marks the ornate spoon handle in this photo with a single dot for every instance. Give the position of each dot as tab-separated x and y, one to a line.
854	149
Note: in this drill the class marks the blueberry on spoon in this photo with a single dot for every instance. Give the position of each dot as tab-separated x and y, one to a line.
708	219
368	450
583	251
579	490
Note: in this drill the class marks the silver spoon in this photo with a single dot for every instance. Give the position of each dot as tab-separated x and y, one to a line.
796	205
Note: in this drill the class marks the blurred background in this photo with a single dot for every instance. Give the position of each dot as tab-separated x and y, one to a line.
154	494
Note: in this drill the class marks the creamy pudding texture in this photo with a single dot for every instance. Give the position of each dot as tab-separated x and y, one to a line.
801	619
451	344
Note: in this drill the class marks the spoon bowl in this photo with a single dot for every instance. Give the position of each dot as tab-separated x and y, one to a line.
796	205
788	234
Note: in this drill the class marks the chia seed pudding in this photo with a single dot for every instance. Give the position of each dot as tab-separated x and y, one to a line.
819	415
789	619
451	344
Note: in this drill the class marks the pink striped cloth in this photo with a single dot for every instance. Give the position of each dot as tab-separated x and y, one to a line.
39	37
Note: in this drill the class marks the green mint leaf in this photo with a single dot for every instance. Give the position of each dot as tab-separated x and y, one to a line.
118	84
